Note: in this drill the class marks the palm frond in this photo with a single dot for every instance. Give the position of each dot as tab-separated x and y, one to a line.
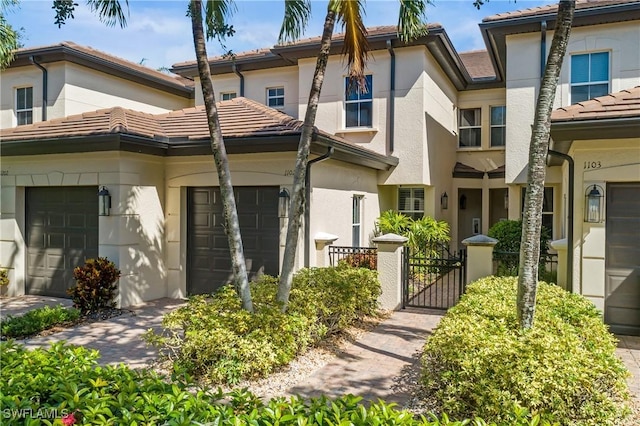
10	42
216	14
110	12
296	18
412	20
356	45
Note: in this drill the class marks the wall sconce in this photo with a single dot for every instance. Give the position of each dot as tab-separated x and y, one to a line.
506	199
104	201
283	203
593	204
463	202
444	201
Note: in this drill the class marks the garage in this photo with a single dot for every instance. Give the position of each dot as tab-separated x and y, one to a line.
622	258
61	231
209	262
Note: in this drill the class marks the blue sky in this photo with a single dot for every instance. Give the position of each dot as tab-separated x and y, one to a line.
159	33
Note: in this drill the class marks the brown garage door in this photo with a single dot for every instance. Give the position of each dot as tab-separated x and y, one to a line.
622	305
209	262
62	231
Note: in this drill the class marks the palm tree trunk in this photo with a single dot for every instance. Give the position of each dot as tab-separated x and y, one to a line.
297	196
537	169
232	225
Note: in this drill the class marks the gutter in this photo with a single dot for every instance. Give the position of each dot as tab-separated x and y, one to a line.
392	95
570	207
237	72
307	202
45	79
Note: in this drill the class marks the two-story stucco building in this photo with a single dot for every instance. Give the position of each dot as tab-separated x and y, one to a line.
438	133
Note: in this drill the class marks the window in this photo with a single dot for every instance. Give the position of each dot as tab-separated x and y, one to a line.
24	105
470	128
411	202
275	97
356	220
359	104
589	76
498	126
547	208
227	96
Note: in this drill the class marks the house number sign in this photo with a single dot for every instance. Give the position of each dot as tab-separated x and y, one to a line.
592	165
4	172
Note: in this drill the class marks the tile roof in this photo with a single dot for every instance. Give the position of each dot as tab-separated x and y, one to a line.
239	117
552	8
478	64
248	55
95	54
624	104
461	170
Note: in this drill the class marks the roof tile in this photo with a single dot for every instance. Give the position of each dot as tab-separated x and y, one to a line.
623	104
552	8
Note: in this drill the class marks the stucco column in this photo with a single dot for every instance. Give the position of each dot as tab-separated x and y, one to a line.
323	240
479	256
561	247
390	269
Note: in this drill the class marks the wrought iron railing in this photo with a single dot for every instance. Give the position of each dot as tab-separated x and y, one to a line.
506	263
362	257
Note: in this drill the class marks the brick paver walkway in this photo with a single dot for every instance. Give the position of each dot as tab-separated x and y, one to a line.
375	366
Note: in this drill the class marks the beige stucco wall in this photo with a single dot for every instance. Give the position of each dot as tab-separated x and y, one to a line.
132	236
523	75
73	89
616	161
256	84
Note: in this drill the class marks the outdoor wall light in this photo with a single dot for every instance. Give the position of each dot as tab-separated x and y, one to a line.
104	201
593	204
283	203
444	201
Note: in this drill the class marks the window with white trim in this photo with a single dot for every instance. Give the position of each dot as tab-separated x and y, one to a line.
470	128
358	104
24	105
547	208
356	220
411	202
227	96
498	126
275	97
589	76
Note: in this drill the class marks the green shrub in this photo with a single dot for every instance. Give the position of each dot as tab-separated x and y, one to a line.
95	285
4	277
507	250
37	320
66	380
367	259
426	235
214	338
478	361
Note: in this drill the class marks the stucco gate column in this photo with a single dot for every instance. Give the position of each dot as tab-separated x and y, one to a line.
479	256
561	246
323	240
390	269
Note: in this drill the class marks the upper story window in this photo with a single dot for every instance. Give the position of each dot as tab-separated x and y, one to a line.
589	76
24	105
275	97
227	96
470	128
498	126
359	104
411	202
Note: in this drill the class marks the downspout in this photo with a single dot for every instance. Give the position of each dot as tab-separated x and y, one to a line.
307	202
570	207
392	96
45	79
543	47
239	74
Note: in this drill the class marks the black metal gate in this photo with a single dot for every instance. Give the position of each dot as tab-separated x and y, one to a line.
433	278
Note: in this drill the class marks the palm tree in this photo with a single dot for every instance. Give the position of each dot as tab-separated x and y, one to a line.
10	38
216	13
411	23
538	150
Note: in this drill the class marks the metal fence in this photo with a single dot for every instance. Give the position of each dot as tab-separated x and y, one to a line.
363	257
506	263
